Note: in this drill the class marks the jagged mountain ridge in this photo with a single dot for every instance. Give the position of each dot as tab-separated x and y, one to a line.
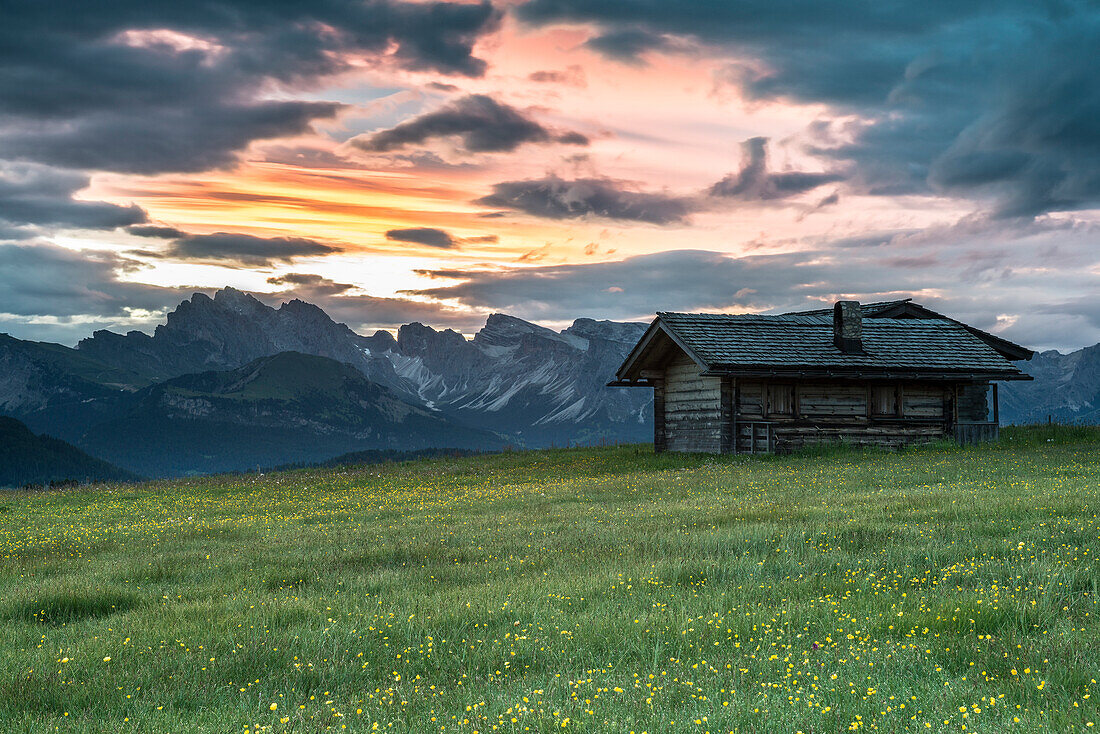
225	332
523	379
516	378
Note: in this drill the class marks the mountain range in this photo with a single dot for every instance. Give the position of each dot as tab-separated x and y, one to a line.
230	383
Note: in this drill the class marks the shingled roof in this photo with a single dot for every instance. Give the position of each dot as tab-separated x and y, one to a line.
906	308
802	344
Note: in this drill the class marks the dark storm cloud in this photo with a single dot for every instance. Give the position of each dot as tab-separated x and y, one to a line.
147	87
627	45
50	292
314	283
851	50
572	76
1038	148
754	182
207	135
43	197
479	121
997	102
429	236
155	230
556	198
244	249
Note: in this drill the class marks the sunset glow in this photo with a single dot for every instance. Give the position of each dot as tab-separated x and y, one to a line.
554	138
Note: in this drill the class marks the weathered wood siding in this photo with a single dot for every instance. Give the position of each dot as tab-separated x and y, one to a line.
821	399
692	408
975	433
923	401
831	412
712	414
750	397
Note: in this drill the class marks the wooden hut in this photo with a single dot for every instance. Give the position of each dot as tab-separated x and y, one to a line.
885	374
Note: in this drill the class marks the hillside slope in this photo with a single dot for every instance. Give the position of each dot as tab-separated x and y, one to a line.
58	390
286	408
29	459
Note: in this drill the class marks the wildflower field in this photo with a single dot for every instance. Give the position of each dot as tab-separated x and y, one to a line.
608	589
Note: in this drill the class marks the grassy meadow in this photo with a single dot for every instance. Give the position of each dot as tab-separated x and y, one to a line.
589	590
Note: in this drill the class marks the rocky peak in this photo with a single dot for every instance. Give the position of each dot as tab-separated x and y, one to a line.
380	341
502	330
416	337
616	331
305	312
238	301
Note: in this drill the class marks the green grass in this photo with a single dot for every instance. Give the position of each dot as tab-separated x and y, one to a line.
587	590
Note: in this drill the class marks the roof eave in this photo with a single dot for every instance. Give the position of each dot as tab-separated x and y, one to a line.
656	326
632	356
860	373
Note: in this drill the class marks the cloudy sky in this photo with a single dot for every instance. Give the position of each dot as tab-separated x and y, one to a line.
432	161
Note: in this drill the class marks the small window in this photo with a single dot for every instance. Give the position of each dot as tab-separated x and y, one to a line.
780	399
884	400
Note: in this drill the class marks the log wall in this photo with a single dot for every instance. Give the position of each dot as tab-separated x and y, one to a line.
834	411
692	408
973	403
722	414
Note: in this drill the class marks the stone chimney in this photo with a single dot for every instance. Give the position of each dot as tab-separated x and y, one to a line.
848	327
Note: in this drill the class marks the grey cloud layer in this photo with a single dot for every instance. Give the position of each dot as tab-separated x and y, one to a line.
639	285
247	249
33	196
479	121
993	101
365	312
74	92
556	198
429	236
992	275
55	294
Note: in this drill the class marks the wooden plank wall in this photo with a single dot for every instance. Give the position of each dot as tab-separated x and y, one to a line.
751	399
975	433
821	399
712	414
692	408
840	411
727	438
923	401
